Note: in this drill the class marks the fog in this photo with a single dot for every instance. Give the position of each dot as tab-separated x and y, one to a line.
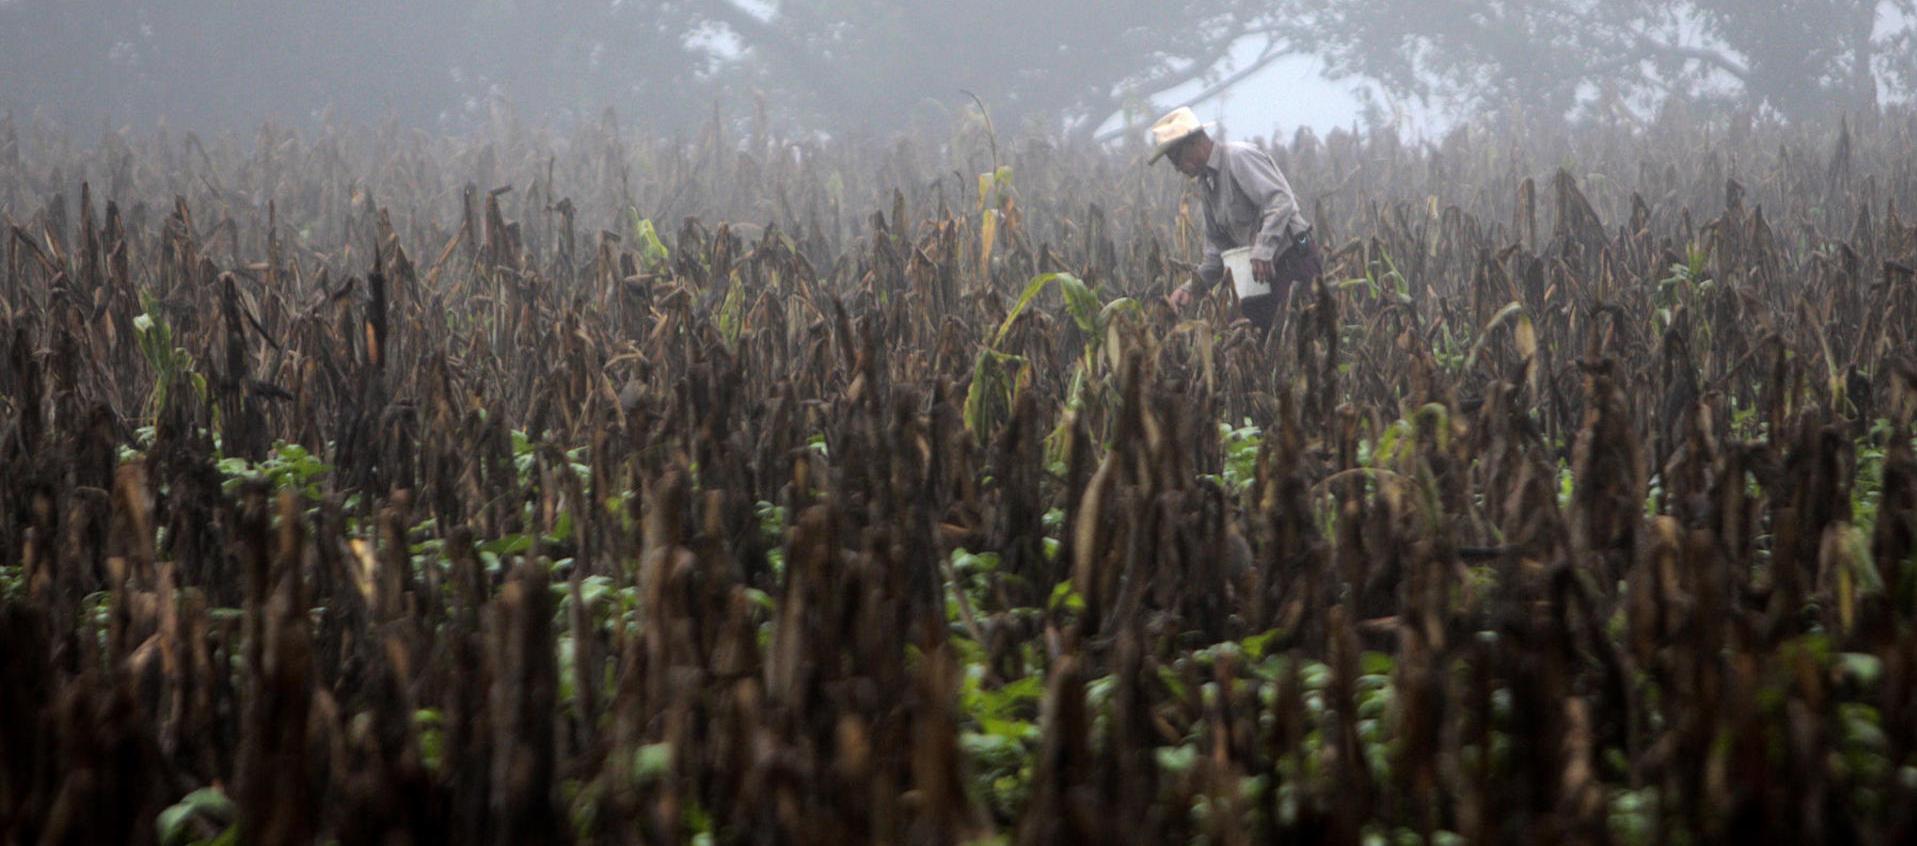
833	422
1072	68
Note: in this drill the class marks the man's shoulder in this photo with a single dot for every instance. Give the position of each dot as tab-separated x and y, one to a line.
1238	151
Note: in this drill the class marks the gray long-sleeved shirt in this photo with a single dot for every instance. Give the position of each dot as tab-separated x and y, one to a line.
1246	197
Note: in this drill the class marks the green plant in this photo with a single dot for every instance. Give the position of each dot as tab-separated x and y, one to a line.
169	362
202	810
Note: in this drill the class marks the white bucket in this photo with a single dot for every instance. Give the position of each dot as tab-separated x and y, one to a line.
1238	264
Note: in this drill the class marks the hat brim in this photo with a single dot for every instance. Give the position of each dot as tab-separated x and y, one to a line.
1165	147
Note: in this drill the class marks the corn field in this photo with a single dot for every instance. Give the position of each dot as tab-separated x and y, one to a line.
363	485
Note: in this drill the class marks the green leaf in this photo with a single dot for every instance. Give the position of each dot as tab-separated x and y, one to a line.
593	589
1011	701
206	801
515	544
1314	675
1863	667
1032	291
1064	596
1176	759
428	723
1372	705
990	395
967	562
1011	729
1863	726
730	314
995	750
1386	452
1255	645
1122	305
1169	677
1081	303
652	761
652	252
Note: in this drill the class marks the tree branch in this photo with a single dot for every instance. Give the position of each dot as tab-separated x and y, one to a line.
756	32
1713	58
1271	53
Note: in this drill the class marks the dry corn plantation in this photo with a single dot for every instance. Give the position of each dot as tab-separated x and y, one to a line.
363	486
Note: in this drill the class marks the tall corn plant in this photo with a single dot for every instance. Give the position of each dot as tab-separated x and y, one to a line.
168	361
997	376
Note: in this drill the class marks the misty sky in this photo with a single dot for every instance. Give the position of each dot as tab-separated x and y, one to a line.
1288	94
213	64
1292	92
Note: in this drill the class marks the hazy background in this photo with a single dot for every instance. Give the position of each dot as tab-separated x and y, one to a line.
1071	68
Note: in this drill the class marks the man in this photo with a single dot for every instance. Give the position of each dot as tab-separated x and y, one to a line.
1247	203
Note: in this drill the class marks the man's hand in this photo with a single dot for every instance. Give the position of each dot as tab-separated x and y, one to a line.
1261	271
1181	297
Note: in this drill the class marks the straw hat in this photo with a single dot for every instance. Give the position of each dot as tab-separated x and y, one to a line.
1173	128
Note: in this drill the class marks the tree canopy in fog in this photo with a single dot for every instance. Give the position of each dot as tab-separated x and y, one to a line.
425	62
1804	58
1080	60
1065	66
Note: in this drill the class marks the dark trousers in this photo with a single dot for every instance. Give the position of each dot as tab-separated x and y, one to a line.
1297	266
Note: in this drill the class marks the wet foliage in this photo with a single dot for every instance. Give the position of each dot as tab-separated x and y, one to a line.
521	488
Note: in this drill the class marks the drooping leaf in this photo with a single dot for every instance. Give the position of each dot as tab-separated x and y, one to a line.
1032	290
207	802
653	254
1510	309
652	762
1081	303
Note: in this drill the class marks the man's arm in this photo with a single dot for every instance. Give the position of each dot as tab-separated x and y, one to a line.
1258	176
1210	270
1204	277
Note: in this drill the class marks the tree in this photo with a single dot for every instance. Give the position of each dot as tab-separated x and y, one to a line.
427	62
1062	65
1803	58
834	64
